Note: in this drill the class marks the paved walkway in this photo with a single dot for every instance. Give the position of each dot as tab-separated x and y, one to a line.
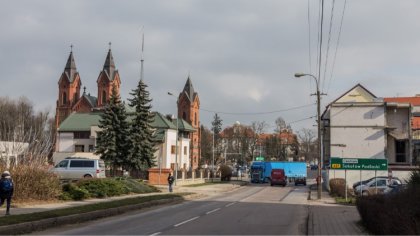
328	218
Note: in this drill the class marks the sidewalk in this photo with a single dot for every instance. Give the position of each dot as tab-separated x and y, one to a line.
328	218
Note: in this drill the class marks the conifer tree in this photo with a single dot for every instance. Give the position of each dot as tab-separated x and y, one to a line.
141	133
113	141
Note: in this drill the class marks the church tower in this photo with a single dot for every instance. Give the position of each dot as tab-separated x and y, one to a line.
108	79
68	90
189	110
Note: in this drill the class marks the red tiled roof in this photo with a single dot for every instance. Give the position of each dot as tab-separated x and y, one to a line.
415	101
415	123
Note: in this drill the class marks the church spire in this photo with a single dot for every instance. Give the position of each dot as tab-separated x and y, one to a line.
109	65
70	70
188	89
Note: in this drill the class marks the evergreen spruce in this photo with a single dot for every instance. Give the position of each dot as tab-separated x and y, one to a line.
141	133
113	141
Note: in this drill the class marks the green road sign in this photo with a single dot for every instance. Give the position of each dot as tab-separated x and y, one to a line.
259	158
337	163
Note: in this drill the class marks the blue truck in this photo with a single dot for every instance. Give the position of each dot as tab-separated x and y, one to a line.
294	171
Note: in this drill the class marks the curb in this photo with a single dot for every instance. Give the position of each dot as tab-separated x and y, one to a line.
28	227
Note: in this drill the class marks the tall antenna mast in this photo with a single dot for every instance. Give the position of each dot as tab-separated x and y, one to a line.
142	52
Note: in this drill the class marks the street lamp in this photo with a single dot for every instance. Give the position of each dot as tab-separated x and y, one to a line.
176	141
318	99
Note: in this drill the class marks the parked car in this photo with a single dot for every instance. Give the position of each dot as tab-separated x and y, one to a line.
314	167
394	189
78	168
278	177
375	186
368	180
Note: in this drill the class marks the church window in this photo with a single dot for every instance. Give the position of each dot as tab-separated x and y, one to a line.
184	115
64	98
103	97
195	118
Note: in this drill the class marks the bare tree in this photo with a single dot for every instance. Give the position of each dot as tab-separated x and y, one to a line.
280	125
258	128
24	135
307	143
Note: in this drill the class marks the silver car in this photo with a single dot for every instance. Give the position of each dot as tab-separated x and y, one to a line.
78	168
375	186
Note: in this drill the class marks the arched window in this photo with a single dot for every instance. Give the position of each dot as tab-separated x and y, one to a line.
64	98
103	97
195	118
184	115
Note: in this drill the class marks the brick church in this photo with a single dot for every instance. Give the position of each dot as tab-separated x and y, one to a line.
71	100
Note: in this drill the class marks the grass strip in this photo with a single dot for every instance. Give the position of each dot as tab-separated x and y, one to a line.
22	218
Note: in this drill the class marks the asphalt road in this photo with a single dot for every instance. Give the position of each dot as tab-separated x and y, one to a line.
251	210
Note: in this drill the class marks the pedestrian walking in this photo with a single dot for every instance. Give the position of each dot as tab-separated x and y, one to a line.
6	190
170	182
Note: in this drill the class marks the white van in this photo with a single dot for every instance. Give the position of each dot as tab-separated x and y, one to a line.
78	168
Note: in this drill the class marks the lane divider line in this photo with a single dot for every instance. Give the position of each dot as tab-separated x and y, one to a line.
209	212
194	218
230	204
157	233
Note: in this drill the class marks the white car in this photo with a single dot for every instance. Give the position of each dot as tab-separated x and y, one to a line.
78	168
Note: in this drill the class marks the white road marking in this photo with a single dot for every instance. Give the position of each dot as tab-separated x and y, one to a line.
186	221
157	233
212	211
230	204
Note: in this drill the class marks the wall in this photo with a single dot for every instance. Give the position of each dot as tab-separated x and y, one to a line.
360	129
65	142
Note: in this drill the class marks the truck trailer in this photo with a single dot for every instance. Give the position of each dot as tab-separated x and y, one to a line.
294	171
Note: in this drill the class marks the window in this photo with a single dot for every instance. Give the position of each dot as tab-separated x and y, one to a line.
64	98
173	149
103	97
62	164
82	135
82	163
79	148
400	151
91	148
195	118
184	115
185	150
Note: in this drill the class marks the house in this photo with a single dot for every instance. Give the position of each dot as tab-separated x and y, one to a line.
360	125
77	136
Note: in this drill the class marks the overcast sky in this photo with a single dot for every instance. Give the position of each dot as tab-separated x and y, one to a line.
241	55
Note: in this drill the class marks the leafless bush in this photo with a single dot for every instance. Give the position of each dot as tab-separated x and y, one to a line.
395	214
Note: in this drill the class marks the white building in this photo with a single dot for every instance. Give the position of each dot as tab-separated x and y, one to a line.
11	151
77	136
360	125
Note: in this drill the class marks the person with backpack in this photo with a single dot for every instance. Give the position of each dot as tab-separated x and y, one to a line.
6	190
170	182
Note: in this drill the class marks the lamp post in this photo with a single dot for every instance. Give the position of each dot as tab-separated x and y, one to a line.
318	99
176	141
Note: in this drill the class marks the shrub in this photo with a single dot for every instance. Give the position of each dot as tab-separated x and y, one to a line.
100	188
71	191
225	173
33	182
337	187
391	214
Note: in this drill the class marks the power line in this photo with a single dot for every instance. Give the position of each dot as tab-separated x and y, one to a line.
256	113
309	41
336	47
320	43
328	43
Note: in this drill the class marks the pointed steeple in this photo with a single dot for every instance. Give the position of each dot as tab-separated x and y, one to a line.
70	70
109	65
189	90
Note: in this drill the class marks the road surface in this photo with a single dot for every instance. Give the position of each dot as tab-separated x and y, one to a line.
255	209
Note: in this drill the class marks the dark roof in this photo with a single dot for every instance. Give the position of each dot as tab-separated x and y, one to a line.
189	90
109	65
70	70
161	121
91	99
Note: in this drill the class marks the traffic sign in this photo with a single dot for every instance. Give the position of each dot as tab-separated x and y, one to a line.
259	158
337	163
